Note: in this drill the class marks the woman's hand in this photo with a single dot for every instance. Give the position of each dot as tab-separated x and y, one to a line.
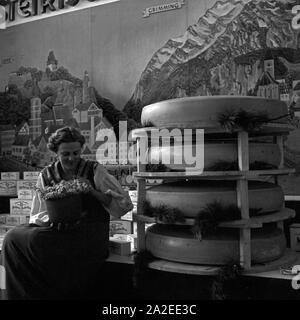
102	197
114	194
123	199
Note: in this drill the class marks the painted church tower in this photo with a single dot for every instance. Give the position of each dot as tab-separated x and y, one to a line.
85	88
35	121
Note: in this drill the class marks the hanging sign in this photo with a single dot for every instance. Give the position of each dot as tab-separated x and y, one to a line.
163	7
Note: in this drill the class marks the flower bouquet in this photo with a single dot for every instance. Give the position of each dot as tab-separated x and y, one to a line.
64	200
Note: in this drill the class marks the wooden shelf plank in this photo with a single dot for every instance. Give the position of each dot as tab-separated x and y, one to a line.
254	222
284	214
233	175
288	258
177	267
271	172
147	219
272	129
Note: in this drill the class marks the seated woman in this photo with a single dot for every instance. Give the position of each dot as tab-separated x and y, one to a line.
43	260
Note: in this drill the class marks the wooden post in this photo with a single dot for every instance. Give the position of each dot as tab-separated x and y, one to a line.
279	141
280	225
141	196
243	201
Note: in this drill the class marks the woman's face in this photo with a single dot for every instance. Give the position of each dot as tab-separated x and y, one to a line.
68	154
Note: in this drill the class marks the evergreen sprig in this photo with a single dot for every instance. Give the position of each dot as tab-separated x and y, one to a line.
208	218
228	284
163	213
232	120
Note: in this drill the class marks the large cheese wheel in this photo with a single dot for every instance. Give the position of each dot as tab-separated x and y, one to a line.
202	112
191	196
174	156
178	243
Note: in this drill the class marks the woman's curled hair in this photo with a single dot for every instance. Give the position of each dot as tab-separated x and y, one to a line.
62	135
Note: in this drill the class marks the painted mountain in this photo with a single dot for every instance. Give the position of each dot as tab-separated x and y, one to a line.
223	53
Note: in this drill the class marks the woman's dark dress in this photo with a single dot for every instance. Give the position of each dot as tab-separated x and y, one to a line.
44	263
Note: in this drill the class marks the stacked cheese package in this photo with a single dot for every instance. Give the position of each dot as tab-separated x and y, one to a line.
21	193
122	237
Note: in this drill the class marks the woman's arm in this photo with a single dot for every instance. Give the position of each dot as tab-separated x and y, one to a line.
120	202
102	197
38	212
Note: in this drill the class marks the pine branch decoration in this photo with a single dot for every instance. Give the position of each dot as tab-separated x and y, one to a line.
163	213
208	218
211	215
232	120
228	284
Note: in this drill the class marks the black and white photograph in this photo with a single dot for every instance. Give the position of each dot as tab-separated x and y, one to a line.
149	153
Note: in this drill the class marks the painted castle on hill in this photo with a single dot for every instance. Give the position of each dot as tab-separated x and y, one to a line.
54	104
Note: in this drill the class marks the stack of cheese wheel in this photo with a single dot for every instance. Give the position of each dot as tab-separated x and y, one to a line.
178	242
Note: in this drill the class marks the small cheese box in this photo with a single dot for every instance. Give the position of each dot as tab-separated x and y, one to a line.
26	184
120	247
5	228
133	195
132	238
19	206
120	226
25	194
8	188
127	216
10	175
3	218
295	236
31	175
16	219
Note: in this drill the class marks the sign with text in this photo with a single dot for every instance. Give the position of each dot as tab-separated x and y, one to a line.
164	7
14	12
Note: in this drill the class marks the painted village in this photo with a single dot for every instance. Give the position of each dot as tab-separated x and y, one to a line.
68	105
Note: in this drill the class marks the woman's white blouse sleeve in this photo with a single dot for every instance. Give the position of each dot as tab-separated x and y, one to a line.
104	181
38	213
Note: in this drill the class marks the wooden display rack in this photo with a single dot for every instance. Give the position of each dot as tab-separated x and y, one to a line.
241	177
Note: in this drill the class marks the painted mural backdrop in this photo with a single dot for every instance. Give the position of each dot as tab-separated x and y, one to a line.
233	47
247	48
